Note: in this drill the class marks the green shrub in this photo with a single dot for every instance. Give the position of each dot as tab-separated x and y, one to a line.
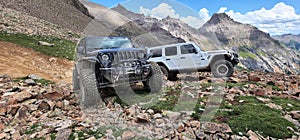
256	116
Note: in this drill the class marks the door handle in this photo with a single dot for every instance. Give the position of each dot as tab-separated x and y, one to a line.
182	57
168	59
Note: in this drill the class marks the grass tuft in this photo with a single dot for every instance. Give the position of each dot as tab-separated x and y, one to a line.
256	116
42	81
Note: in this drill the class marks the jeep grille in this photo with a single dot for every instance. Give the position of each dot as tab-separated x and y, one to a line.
126	55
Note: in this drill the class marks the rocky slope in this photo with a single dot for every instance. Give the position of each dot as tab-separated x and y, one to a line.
32	110
290	40
188	34
70	14
258	50
12	21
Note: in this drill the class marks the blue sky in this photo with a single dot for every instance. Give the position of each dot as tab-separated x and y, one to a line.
272	16
213	6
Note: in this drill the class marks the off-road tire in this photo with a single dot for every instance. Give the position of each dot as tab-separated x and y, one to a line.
154	83
169	75
222	68
164	71
88	88
75	81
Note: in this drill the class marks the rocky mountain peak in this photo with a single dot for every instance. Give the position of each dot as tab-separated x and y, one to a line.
258	51
120	7
130	15
219	18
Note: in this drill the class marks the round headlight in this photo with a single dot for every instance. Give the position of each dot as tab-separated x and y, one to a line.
141	55
105	57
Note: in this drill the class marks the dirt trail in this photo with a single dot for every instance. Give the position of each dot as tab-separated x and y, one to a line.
18	61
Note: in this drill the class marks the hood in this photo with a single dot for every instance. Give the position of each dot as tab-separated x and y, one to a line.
94	53
120	49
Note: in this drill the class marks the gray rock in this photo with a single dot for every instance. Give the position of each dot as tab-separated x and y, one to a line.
150	111
127	135
290	119
63	134
264	100
212	128
42	43
253	136
295	114
272	105
142	118
195	123
200	134
3	135
21	96
34	77
30	82
91	138
172	115
157	116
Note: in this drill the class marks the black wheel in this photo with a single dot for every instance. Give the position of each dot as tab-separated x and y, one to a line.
222	68
169	75
154	83
75	80
164	71
88	88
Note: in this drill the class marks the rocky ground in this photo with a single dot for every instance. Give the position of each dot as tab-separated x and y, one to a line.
30	109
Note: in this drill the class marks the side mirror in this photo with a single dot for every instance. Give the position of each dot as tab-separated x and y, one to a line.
195	51
80	49
149	55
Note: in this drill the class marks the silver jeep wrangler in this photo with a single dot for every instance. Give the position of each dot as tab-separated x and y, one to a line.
188	57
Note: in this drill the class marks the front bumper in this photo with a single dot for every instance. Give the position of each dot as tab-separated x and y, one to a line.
123	73
235	58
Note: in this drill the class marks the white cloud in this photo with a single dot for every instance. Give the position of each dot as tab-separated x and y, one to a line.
203	13
164	10
222	10
280	19
192	21
145	11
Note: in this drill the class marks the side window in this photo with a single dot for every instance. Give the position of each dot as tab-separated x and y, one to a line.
186	49
169	51
156	53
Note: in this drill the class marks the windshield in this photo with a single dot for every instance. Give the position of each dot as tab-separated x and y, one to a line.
108	43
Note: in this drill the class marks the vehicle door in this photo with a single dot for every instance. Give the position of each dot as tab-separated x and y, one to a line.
189	59
171	57
201	57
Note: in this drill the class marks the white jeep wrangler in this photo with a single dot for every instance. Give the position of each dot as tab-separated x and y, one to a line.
188	57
